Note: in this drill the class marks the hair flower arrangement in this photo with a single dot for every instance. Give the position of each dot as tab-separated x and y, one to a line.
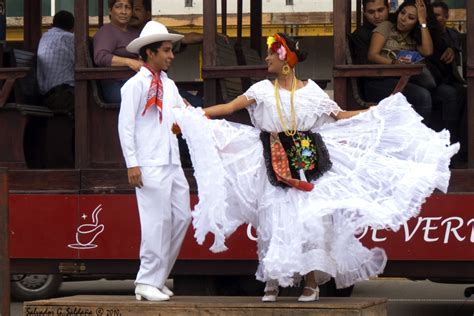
276	47
270	41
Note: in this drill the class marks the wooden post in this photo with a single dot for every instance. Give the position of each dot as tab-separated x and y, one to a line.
209	48
256	25
470	82
4	247
81	13
224	16
32	24
341	22
101	12
3	20
239	20
358	13
3	29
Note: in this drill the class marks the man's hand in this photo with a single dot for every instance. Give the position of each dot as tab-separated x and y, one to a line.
175	129
448	56
135	177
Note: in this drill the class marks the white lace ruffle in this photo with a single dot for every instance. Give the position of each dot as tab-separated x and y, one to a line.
220	165
385	164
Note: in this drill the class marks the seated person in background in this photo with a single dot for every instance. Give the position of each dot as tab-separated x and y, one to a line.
141	15
450	94
375	12
408	32
450	36
55	64
110	42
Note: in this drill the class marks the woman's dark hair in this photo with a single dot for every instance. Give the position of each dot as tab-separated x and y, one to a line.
432	23
64	20
292	45
112	2
153	47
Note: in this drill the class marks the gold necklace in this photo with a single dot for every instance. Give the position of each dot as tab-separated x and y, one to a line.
293	121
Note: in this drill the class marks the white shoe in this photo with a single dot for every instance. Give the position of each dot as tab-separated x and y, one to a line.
310	298
270	297
167	291
149	293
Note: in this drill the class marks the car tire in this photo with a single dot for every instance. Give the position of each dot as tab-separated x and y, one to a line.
29	287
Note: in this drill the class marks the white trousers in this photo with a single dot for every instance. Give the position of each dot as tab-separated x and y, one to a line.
165	214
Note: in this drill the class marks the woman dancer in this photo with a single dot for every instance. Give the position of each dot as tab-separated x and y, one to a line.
310	176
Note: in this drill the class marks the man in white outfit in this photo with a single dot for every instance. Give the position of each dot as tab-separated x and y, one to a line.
151	153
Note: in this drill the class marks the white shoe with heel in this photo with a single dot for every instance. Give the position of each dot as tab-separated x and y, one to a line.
145	292
270	296
314	296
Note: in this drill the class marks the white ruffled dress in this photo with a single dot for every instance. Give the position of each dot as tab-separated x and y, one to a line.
385	164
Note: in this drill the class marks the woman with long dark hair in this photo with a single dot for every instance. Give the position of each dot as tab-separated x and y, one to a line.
407	32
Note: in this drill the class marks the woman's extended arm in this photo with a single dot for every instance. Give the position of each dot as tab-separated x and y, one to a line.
347	114
238	103
376	44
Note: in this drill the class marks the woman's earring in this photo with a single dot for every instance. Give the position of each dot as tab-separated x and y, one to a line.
285	69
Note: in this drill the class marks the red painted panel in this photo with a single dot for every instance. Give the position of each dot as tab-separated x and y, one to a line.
109	227
63	226
40	225
443	231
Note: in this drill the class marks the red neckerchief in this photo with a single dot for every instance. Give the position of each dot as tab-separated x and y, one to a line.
155	93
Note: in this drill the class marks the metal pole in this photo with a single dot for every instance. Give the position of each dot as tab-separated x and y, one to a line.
4	248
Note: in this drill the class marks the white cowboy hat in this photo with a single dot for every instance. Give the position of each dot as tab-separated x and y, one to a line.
152	32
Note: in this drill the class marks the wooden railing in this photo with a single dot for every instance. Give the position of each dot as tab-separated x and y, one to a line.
10	75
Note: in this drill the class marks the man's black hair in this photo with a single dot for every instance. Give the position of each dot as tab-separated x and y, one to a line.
64	20
364	3
442	5
153	47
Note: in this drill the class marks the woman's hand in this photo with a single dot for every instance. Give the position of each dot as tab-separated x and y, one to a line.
134	64
426	47
421	10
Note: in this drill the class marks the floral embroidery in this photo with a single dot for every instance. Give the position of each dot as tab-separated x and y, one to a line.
302	155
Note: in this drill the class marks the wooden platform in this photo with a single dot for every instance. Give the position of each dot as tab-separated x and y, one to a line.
204	305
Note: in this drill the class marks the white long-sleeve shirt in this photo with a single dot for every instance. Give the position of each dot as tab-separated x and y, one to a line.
144	140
